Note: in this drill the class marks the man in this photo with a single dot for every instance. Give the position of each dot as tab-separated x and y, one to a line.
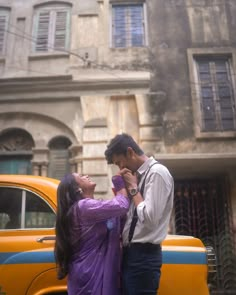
151	188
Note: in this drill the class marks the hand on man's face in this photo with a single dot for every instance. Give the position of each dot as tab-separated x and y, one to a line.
129	178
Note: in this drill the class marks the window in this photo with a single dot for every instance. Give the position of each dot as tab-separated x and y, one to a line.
4	18
128	25
51	28
24	209
37	213
212	78
59	156
10	208
217	100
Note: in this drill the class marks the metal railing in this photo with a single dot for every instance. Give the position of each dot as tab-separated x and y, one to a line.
203	210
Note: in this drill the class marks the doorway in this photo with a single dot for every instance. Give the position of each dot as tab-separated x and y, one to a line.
203	209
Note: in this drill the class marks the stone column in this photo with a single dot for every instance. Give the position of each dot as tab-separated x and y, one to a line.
95	134
44	169
150	108
76	158
40	161
36	168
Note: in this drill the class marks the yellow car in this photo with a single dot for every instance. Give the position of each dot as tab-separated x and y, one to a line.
27	236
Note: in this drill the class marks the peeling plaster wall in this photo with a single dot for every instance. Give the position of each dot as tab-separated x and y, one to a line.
178	30
177	26
90	44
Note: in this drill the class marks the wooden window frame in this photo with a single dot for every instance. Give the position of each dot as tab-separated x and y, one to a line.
193	56
144	24
52	9
4	12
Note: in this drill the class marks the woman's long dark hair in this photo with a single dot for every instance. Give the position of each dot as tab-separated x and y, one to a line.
67	194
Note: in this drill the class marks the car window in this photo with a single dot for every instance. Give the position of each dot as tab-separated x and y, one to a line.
24	209
4	219
38	214
10	208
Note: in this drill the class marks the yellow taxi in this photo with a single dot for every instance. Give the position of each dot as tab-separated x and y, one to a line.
27	237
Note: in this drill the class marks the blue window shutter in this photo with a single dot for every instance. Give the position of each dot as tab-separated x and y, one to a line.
136	25
127	25
119	25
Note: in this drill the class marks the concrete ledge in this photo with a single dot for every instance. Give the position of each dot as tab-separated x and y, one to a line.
198	164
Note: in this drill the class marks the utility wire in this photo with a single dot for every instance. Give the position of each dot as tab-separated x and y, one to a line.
103	67
28	70
100	66
82	58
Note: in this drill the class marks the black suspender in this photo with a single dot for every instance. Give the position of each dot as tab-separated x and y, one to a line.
135	215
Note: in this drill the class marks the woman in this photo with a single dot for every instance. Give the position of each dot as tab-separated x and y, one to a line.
88	236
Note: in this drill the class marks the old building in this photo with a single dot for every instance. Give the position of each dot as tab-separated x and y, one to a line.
74	73
68	81
193	63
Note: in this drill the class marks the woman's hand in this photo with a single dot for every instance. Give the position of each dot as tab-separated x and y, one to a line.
118	182
119	185
130	179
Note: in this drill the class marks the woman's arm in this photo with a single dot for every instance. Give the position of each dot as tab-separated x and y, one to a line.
98	210
101	210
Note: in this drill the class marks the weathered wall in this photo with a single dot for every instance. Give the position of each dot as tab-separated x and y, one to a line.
176	26
90	38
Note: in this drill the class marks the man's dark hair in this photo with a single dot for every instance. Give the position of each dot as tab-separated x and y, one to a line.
119	145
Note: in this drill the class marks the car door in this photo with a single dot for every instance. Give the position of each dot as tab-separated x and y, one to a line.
27	237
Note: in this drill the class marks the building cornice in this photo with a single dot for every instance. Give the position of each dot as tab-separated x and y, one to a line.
50	86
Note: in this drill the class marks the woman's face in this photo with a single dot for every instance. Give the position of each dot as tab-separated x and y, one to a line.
84	182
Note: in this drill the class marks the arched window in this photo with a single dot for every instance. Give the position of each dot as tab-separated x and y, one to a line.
15	151
59	157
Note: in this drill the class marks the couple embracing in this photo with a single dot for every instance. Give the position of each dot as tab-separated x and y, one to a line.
89	232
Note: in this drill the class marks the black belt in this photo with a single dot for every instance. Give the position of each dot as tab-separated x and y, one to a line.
142	246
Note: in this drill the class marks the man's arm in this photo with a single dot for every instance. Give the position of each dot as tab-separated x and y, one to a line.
158	187
131	182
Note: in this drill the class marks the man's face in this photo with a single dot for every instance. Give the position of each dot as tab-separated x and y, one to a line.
123	161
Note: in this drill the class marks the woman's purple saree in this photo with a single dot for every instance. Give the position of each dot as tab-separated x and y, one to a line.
95	237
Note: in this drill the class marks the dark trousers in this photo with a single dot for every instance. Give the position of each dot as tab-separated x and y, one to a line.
141	269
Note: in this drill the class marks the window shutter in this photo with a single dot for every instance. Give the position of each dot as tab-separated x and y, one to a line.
3	27
207	94
58	163
226	108
225	93
119	28
128	25
136	25
43	31
61	29
208	108
217	96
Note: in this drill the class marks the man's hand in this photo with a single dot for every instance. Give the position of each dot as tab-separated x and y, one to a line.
131	182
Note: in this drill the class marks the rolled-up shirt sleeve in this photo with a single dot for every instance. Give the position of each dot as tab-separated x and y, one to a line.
157	191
